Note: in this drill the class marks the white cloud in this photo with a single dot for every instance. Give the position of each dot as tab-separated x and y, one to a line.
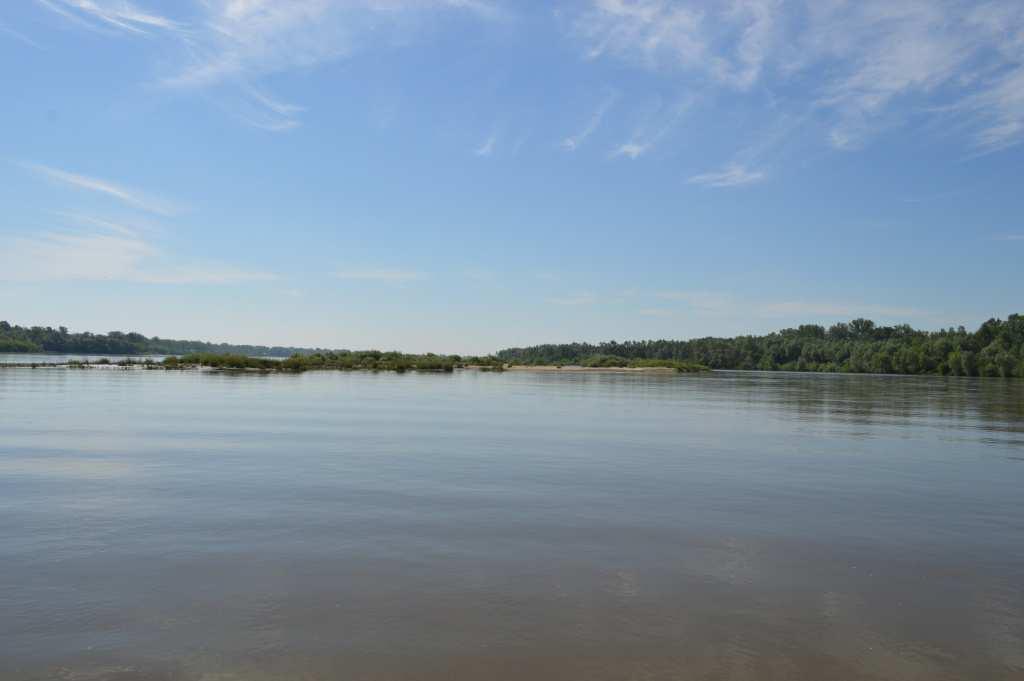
254	37
21	37
256	108
733	175
883	51
97	222
271	125
573	142
120	15
863	65
97	256
278	107
383	274
947	57
1001	110
726	42
654	125
632	150
487	147
236	42
129	196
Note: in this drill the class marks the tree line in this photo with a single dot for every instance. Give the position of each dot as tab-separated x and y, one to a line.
996	348
48	339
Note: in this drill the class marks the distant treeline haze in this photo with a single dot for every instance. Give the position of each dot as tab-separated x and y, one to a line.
860	346
47	339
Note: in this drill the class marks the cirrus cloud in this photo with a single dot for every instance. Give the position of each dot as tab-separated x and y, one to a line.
131	197
105	256
863	65
733	175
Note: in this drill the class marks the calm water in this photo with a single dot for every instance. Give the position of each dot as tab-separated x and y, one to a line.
60	358
166	525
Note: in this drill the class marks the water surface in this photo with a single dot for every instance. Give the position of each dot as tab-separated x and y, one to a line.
196	525
64	358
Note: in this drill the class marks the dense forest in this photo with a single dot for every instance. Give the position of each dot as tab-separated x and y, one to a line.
47	339
860	346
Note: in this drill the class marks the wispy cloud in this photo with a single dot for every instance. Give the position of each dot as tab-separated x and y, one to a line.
382	274
120	15
862	66
632	150
271	125
573	142
1000	107
99	256
235	43
726	42
486	148
733	175
57	7
20	37
258	109
1010	237
130	197
277	106
653	127
90	221
255	37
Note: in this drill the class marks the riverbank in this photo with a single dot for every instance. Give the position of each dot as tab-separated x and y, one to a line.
575	368
279	368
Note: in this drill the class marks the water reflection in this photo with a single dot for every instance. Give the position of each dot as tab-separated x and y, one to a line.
523	525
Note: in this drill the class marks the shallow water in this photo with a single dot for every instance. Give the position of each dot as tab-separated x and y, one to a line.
62	358
196	525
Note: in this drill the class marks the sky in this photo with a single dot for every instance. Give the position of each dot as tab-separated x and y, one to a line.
467	175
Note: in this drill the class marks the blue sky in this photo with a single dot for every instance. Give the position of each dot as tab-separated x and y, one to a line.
465	175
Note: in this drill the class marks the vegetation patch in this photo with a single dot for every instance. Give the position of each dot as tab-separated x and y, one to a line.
616	361
344	360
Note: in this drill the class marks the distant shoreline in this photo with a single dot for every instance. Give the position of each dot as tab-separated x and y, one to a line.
156	366
575	368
